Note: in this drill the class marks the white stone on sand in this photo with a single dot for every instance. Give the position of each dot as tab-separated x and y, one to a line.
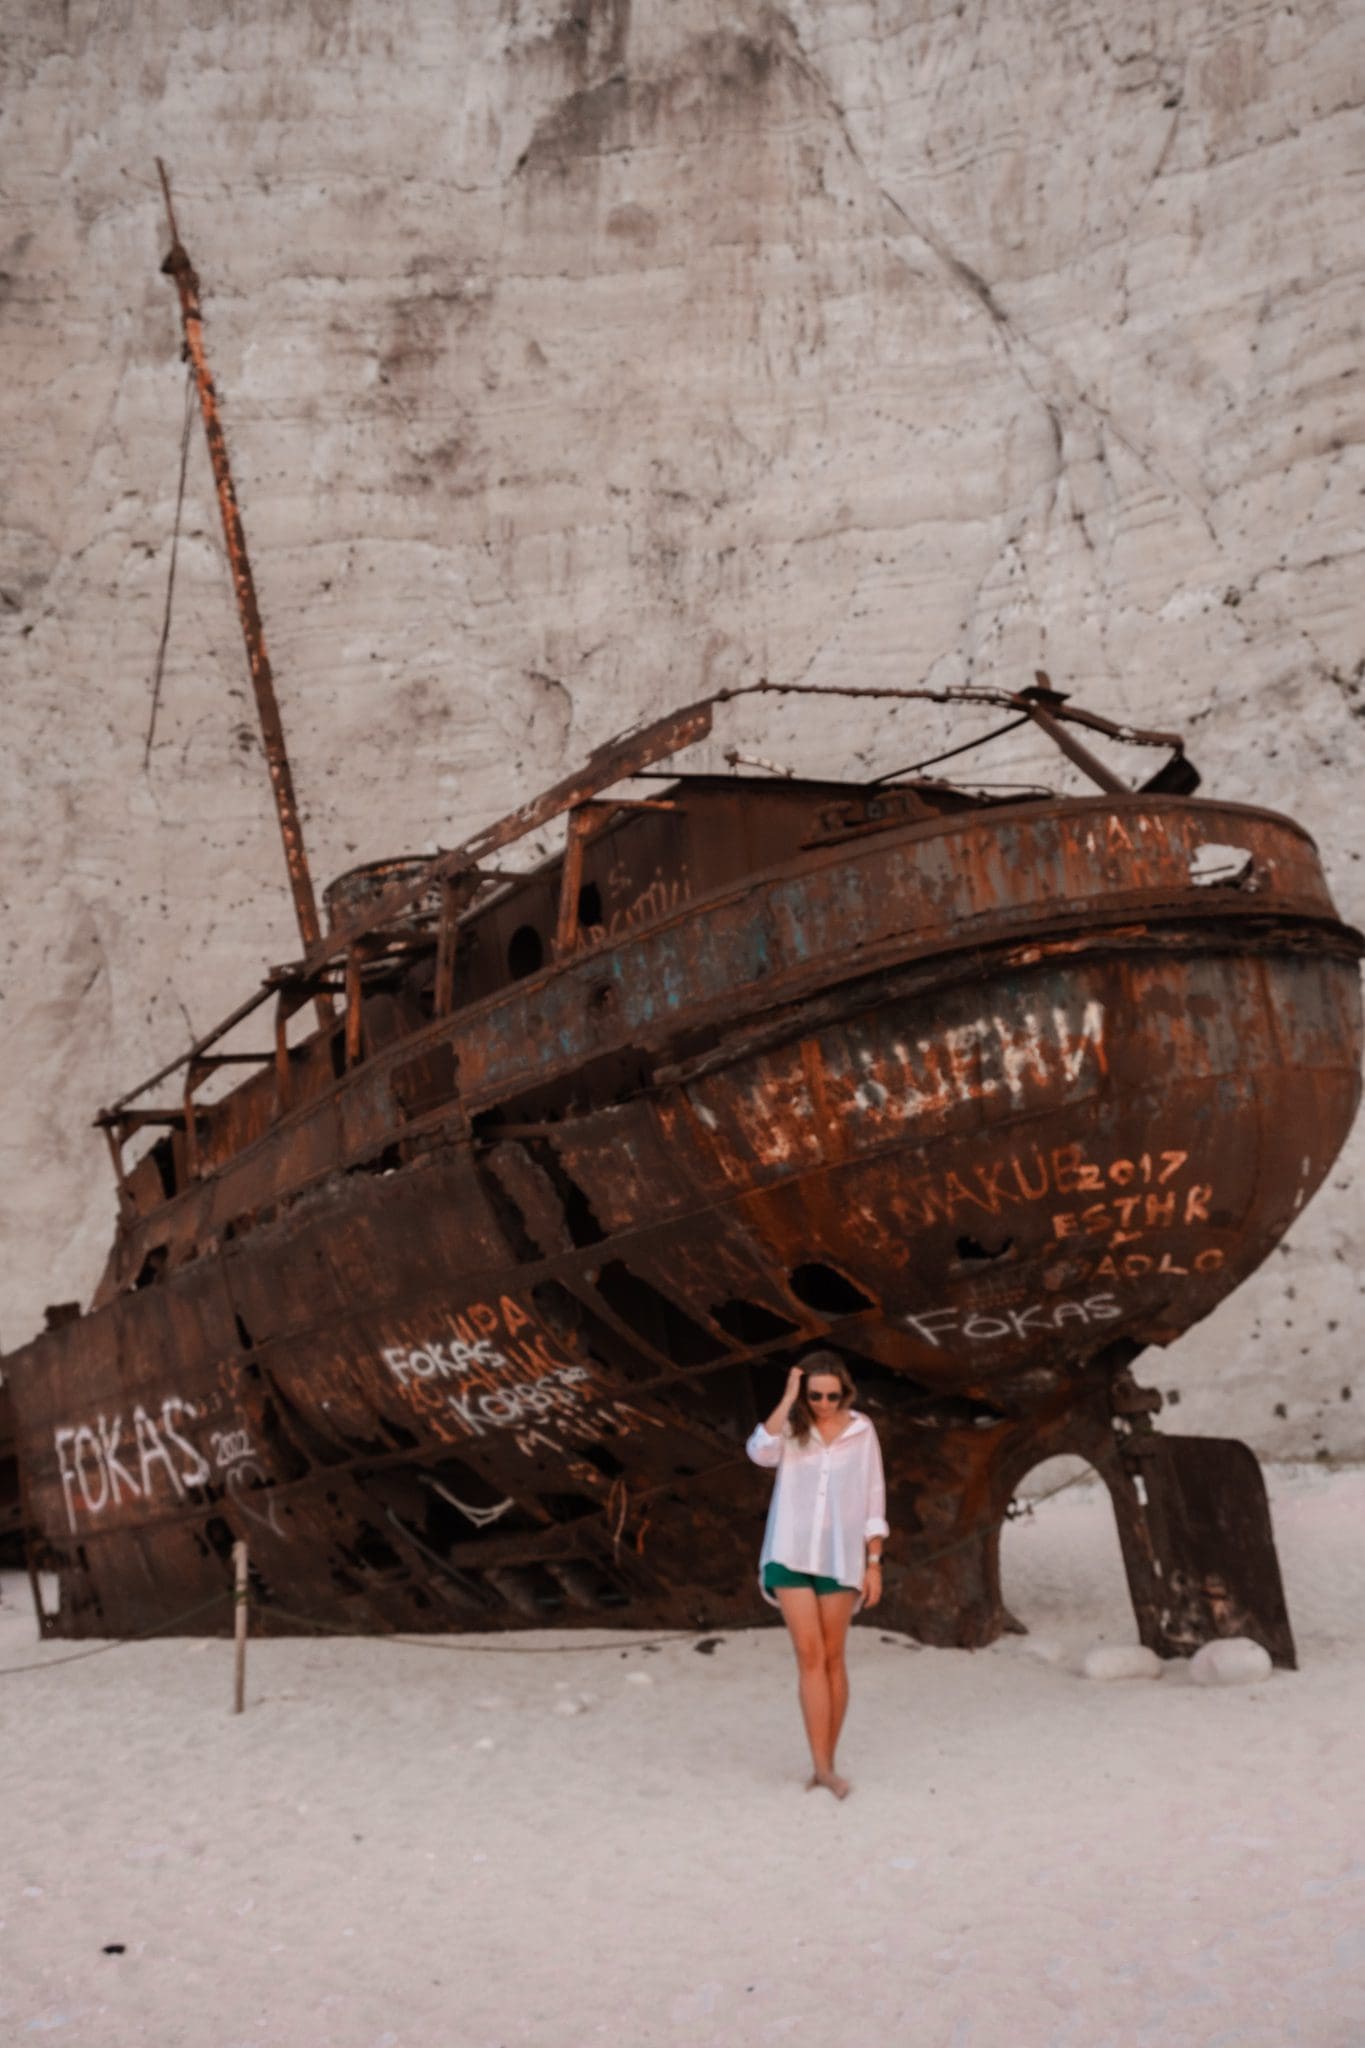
1235	1660
1120	1660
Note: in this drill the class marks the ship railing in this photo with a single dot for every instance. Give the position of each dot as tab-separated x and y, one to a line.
338	964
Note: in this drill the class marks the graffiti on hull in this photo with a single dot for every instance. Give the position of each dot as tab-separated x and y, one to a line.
987	1056
102	1463
495	1369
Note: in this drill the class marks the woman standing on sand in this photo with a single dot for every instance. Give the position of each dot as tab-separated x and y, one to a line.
828	1507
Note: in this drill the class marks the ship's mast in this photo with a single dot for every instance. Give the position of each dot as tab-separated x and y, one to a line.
178	266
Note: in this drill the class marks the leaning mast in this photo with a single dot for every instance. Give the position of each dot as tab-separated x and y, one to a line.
178	267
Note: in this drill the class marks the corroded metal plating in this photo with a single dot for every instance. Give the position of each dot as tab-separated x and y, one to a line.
466	1330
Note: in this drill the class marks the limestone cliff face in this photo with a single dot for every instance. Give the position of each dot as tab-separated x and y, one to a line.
580	355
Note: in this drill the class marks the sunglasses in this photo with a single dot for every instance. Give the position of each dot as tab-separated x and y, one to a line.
811	1395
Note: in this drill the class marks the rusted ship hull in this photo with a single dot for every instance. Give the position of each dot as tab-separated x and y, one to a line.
473	1338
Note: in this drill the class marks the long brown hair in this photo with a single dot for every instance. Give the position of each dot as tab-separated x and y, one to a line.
825	1365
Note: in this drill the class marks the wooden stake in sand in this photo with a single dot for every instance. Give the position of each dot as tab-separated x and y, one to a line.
239	1675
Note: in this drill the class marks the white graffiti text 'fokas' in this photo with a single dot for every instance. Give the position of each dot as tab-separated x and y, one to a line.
938	1326
102	1463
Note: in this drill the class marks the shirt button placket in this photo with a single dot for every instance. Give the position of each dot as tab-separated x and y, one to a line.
821	1495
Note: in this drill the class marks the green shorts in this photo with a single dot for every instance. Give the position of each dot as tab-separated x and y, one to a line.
775	1575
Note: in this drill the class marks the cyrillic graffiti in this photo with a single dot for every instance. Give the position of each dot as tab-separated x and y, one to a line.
664	893
511	1377
522	1401
988	1056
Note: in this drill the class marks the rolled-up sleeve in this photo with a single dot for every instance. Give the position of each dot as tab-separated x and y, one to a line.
876	1524
765	1449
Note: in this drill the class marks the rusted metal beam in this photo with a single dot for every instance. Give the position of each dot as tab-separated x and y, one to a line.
1076	714
1043	703
201	1045
963	694
457	894
282	1016
354	1011
191	1126
571	879
178	267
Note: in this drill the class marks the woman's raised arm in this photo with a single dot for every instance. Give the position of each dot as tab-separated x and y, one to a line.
765	1444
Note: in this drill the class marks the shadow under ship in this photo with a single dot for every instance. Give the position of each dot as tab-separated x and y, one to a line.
460	1308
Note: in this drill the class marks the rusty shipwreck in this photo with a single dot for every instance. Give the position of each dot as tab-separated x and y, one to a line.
459	1304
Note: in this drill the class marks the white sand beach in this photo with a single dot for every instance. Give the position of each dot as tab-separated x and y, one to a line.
432	1848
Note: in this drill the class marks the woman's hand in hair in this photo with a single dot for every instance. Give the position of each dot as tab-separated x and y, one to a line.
777	1421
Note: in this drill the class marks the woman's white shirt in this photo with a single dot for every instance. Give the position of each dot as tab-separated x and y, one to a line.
827	1501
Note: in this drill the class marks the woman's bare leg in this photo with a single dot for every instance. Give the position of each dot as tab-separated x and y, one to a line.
801	1612
836	1612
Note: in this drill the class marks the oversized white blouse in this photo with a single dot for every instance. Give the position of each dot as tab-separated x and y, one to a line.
827	1501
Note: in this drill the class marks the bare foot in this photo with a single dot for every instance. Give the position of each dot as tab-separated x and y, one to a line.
832	1782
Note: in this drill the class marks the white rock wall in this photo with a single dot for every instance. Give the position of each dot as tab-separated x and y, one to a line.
578	356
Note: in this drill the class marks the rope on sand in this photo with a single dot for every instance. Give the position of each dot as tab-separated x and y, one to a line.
333	1628
119	1642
